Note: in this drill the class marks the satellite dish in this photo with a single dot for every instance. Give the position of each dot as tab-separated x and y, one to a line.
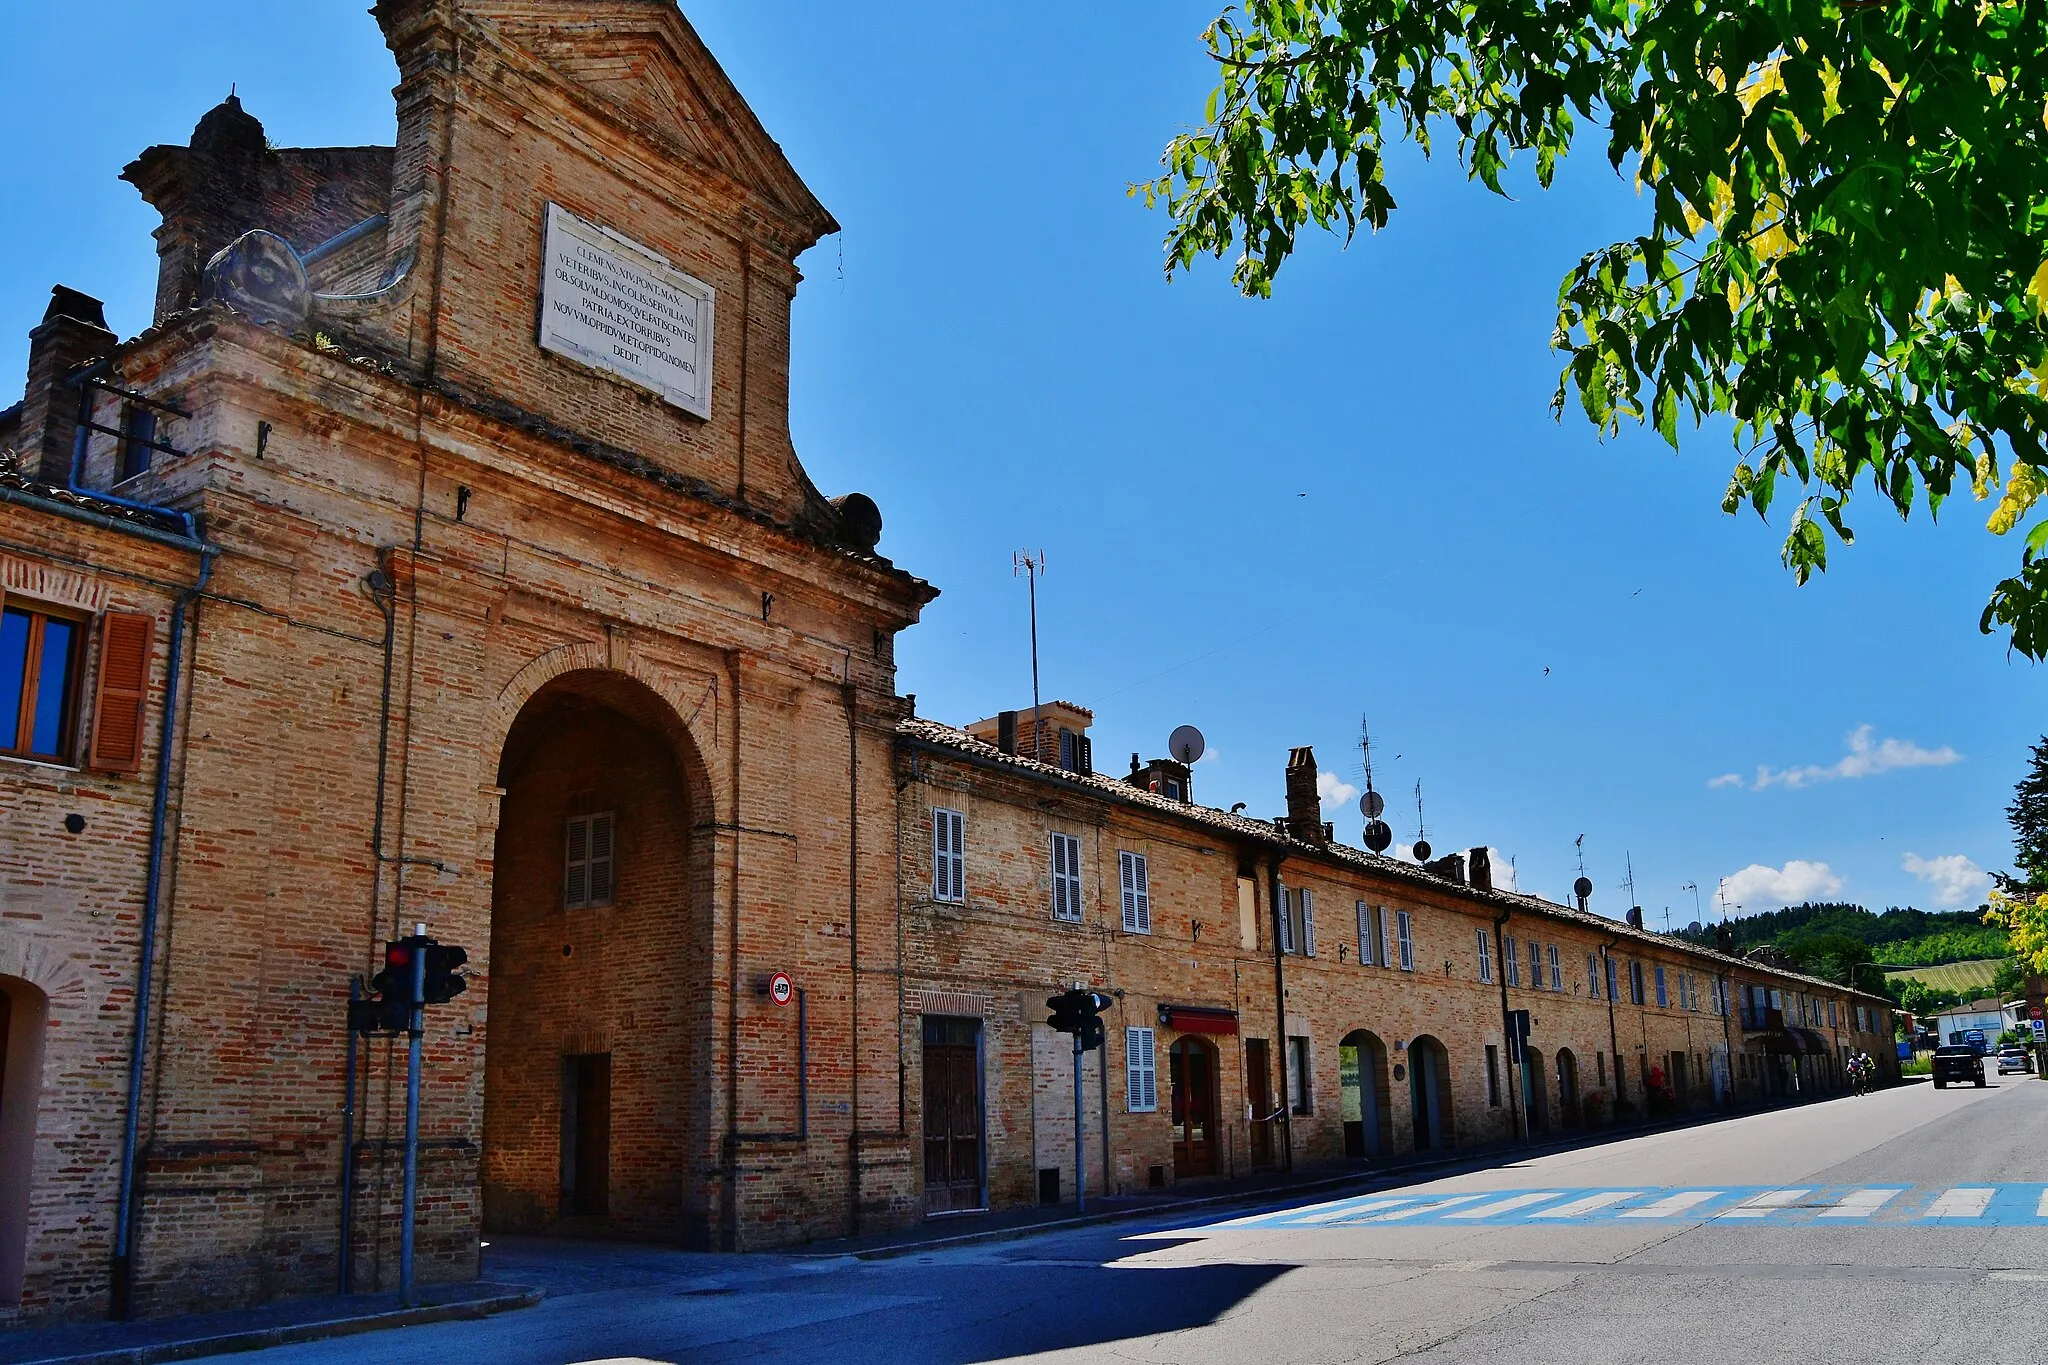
1420	850
1693	928
1378	836
1372	803
1187	745
1583	887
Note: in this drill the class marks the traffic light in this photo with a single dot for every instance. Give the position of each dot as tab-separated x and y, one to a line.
442	984
395	981
378	1016
1066	1012
1077	1012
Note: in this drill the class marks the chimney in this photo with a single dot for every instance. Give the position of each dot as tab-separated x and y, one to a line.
1451	867
1006	731
1479	869
1304	803
73	331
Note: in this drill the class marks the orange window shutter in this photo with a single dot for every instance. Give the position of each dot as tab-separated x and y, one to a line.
126	639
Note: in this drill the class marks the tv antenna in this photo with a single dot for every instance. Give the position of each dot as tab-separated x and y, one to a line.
1693	887
1033	569
1628	863
1378	837
1420	851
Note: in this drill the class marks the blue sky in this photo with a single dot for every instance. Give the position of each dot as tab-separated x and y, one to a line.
1267	519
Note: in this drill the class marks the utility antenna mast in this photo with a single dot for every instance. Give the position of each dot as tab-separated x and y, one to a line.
1033	569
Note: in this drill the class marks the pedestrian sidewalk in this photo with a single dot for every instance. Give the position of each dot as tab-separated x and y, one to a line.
252	1329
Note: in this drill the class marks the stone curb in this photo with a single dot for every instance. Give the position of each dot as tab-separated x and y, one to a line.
261	1338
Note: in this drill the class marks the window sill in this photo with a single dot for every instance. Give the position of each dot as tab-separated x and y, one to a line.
48	764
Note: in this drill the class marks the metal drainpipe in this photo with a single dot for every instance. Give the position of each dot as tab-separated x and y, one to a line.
1285	1114
1612	982
1727	1003
852	700
1506	1028
121	1289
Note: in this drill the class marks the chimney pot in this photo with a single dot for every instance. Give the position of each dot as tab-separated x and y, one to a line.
1479	869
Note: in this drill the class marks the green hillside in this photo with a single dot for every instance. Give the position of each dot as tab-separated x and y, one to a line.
1970	979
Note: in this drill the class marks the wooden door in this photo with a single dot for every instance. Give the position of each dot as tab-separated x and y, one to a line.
1192	1067
586	1134
1258	1089
952	1115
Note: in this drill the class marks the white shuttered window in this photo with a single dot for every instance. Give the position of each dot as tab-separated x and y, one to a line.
1556	969
1137	892
1485	955
588	861
1307	902
1285	906
949	855
1066	877
1511	958
1368	938
1141	1074
1404	932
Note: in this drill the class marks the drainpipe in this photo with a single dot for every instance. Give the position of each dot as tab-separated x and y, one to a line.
852	700
1727	1003
1613	1033
1285	1115
1506	1028
121	1289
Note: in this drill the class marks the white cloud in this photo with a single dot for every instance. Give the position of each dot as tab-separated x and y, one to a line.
1333	790
1503	870
1956	880
1867	757
1757	887
1725	780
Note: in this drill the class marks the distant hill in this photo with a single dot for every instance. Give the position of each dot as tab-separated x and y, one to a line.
1900	937
1970	979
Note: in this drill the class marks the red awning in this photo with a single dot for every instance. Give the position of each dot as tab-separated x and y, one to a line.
1197	1019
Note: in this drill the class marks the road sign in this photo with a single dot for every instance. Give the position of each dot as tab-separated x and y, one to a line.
781	989
2040	1030
2034	1013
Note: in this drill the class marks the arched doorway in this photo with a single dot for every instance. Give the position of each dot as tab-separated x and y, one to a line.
1535	1090
1429	1093
24	1012
1568	1109
1367	1101
599	1007
1191	1063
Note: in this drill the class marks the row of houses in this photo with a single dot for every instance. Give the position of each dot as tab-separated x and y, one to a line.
440	557
1281	999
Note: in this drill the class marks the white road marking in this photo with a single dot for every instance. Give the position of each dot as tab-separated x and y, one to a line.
2041	1210
1589	1204
1344	1205
1770	1201
1350	1207
1967	1202
1520	1201
1861	1203
1420	1209
1671	1205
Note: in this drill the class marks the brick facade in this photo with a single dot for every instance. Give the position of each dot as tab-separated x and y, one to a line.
436	594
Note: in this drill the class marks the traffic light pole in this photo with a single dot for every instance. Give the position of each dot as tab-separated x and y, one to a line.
1080	1148
417	1028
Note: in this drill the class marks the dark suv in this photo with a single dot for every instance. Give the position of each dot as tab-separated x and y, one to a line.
1959	1063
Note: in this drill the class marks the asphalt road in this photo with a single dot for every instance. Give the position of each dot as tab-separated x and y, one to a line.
1907	1226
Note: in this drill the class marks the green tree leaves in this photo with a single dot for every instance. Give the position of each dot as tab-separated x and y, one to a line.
1846	252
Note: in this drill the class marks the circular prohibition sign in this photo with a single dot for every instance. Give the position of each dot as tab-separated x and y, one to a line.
781	989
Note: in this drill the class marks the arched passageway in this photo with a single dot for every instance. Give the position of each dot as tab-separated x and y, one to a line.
1367	1098
1193	1074
1429	1094
24	1013
596	1099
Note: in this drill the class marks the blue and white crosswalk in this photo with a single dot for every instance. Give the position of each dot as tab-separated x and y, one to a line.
1975	1205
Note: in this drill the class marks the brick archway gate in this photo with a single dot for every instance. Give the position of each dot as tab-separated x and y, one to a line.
597	1064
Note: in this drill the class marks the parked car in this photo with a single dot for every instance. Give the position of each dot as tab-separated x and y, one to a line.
1958	1062
2012	1058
